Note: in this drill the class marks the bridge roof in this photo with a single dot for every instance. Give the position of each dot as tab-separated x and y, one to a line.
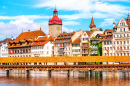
65	59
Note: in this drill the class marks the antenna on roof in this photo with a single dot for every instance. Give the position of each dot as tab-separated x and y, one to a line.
128	13
22	30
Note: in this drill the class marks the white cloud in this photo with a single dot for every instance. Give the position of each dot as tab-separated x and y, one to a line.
66	29
86	8
107	22
71	23
14	28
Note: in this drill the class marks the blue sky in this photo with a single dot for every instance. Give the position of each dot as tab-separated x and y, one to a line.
23	15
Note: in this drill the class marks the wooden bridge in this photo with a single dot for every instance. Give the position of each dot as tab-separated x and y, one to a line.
8	61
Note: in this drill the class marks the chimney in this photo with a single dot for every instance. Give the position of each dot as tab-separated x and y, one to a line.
40	27
28	30
114	24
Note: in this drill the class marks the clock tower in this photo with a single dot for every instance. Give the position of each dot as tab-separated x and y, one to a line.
55	25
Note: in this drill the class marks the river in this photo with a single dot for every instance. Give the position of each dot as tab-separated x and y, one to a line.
60	78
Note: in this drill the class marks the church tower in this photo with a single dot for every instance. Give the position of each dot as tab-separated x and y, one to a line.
55	25
92	26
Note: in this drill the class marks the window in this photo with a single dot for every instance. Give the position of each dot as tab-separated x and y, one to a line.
120	42
121	54
124	29
107	43
26	50
120	35
47	52
124	54
117	35
114	36
127	47
127	54
124	35
128	42
117	48
110	48
127	35
104	48
120	30
117	42
68	44
110	42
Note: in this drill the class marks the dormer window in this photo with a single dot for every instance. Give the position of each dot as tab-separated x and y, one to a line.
20	43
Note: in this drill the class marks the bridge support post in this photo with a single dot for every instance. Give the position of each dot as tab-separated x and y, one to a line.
27	71
90	72
7	72
68	73
49	72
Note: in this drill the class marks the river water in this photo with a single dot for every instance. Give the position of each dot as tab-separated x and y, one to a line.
61	78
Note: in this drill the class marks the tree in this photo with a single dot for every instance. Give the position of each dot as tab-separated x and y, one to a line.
64	32
100	29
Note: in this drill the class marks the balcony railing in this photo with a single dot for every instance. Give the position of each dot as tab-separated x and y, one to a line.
85	46
84	52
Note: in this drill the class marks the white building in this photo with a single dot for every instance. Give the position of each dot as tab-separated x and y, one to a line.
42	47
121	37
3	50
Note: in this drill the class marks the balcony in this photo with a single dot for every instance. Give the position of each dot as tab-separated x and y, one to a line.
84	52
85	46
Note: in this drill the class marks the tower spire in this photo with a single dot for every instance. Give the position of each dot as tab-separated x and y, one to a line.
92	25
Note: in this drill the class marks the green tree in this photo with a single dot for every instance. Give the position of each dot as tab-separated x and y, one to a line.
100	29
64	32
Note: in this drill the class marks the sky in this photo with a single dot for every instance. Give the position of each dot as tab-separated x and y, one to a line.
17	16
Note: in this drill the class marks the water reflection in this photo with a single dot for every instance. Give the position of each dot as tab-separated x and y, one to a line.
61	78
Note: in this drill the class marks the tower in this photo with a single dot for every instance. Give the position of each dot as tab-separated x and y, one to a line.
92	25
55	25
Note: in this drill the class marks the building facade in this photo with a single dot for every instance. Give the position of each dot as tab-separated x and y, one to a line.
42	47
3	49
107	47
121	37
21	46
62	44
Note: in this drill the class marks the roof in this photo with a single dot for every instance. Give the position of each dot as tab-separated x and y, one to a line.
106	39
7	40
89	33
76	41
30	34
108	30
92	24
128	23
101	34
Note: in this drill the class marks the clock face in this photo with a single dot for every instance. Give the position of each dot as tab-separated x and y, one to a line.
58	28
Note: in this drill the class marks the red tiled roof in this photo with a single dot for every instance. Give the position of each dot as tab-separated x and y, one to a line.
108	30
30	34
7	40
76	41
102	34
89	33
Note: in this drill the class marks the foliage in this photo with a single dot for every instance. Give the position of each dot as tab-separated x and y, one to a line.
100	29
64	32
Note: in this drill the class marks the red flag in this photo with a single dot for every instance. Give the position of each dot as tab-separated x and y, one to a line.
107	51
11	51
121	49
